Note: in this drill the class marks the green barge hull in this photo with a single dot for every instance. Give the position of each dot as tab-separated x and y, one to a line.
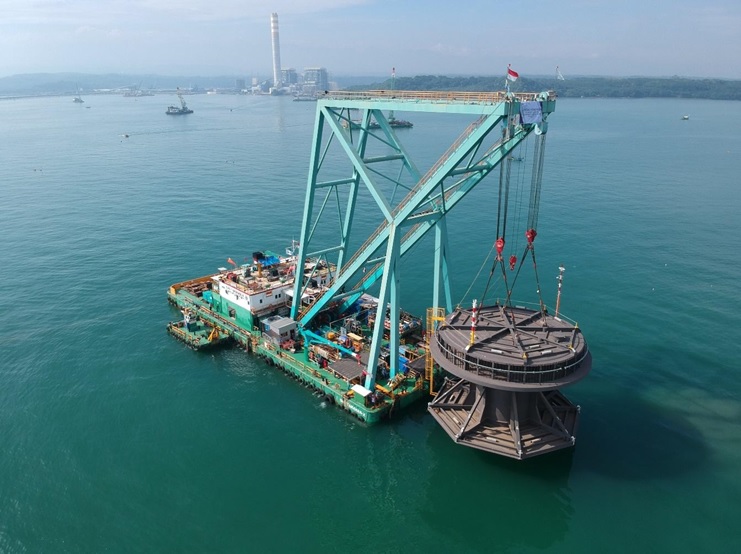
329	382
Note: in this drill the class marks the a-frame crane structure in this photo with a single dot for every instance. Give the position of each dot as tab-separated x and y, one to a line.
382	168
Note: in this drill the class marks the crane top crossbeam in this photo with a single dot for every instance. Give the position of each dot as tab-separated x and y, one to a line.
432	101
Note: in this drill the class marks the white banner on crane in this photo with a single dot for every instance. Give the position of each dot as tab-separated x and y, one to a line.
531	112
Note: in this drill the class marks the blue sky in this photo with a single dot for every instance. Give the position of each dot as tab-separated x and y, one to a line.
368	37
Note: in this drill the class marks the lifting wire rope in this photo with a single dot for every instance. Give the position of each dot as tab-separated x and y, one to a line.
533	212
520	180
532	222
502	210
520	184
535	188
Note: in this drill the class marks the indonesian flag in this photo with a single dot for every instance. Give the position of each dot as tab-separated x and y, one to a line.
512	75
229	260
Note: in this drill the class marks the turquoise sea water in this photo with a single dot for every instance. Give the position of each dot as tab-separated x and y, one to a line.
116	438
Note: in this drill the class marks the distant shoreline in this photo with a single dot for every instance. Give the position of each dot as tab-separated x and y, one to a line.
68	84
579	87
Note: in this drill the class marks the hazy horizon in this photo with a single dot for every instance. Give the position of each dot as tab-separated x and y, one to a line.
379	76
369	37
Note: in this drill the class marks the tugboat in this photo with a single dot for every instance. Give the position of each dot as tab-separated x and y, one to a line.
393	122
182	110
399	123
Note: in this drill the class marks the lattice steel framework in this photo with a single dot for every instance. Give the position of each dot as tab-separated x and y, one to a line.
380	163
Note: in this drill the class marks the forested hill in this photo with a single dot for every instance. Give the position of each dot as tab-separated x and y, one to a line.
588	87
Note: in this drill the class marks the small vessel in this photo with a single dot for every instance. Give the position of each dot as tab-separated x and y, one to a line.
685	117
78	99
197	333
182	110
391	119
393	122
399	123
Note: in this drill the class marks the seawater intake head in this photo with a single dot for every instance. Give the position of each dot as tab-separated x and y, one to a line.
515	348
501	395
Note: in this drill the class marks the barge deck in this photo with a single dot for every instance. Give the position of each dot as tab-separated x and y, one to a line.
332	363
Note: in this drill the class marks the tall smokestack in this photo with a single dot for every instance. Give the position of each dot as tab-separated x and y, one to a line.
276	49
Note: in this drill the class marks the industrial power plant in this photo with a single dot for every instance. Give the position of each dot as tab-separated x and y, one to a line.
313	81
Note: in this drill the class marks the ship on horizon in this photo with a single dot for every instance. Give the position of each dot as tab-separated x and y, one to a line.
78	99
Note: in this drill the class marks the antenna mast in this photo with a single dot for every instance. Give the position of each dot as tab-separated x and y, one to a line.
561	269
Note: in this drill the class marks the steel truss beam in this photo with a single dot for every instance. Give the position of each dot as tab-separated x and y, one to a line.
428	200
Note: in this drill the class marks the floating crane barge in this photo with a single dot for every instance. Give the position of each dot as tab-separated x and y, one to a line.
330	316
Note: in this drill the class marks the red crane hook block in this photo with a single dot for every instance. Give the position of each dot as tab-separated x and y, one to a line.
499	244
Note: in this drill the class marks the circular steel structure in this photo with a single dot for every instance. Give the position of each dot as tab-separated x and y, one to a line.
514	348
507	364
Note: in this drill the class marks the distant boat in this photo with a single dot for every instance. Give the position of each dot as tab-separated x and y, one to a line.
392	121
399	123
78	99
685	117
182	110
